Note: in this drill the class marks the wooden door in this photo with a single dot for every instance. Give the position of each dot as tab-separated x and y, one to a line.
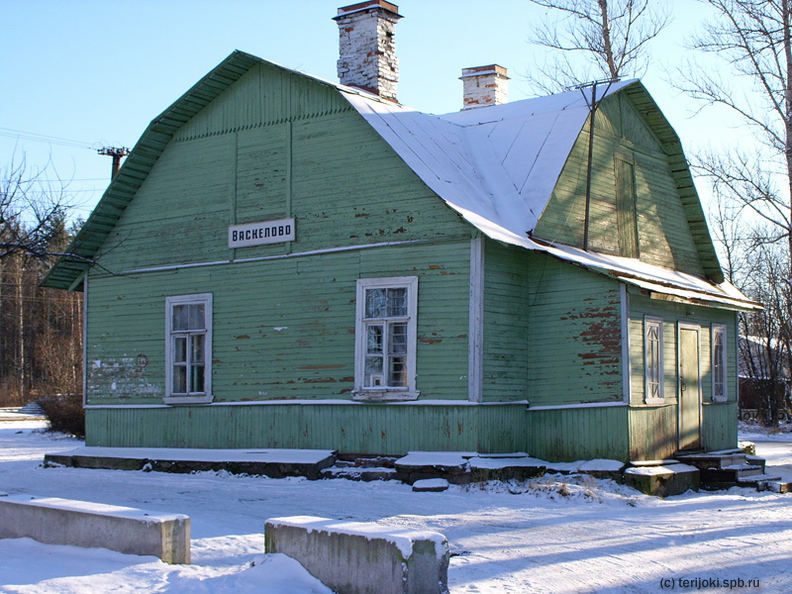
689	389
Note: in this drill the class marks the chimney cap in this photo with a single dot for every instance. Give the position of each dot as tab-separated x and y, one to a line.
485	71
370	4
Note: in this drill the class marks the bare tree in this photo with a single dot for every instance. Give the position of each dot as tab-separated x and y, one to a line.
752	38
40	336
596	39
32	211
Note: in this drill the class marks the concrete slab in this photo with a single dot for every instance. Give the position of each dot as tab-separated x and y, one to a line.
430	486
663	481
128	530
501	468
275	463
363	558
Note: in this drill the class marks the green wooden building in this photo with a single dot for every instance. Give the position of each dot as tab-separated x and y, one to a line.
286	262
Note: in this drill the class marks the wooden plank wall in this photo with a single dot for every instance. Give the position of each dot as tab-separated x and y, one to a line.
578	433
653	427
276	145
349	428
665	238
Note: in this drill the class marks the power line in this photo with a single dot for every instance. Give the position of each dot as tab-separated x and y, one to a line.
35	137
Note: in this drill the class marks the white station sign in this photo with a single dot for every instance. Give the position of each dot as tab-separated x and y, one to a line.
262	233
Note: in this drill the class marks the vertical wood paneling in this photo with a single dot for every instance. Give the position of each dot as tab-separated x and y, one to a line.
653	432
578	433
353	428
719	431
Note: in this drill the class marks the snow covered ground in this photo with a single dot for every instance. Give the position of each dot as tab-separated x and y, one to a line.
553	534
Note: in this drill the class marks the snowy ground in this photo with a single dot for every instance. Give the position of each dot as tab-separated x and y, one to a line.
554	534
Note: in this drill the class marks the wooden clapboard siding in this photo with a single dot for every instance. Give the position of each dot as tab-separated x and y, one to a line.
507	349
552	331
653	429
355	428
672	314
327	168
664	233
283	329
574	335
180	214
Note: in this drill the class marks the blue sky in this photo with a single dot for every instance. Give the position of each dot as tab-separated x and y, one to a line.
94	73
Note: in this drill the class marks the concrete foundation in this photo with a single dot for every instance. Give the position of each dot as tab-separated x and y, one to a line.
356	558
79	523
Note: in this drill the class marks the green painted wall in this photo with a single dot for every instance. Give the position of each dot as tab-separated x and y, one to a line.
578	433
664	235
719	431
276	145
283	329
653	429
301	154
552	331
507	349
351	428
653	432
574	336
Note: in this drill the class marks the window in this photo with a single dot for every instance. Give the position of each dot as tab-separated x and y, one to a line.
188	358
385	338
653	360
719	362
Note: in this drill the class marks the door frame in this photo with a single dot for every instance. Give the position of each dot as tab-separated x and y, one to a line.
697	329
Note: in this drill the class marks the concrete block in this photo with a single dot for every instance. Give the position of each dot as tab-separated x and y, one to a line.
430	486
362	558
779	487
79	523
452	466
503	468
663	481
603	468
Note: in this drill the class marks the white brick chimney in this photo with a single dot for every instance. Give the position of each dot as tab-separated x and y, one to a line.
367	49
484	85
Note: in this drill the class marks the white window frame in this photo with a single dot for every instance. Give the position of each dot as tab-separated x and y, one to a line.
649	397
386	393
719	393
205	396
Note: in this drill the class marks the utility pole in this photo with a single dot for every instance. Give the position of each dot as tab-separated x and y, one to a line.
117	153
593	104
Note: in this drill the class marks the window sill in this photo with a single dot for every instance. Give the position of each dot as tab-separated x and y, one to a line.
718	400
384	395
654	401
205	399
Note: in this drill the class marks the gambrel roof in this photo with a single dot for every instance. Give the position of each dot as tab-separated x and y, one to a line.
496	166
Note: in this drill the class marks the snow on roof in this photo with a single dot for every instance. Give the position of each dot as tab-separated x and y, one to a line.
500	163
497	167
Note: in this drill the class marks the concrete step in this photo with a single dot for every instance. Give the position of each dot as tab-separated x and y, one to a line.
729	474
757	480
713	460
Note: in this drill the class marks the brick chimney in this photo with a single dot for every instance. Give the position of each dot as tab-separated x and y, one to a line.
483	86
367	49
